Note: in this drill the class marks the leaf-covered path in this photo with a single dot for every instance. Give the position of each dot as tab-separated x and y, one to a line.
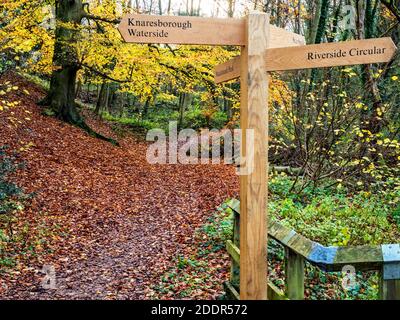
112	221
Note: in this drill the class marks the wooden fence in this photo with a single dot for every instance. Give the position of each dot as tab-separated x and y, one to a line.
382	258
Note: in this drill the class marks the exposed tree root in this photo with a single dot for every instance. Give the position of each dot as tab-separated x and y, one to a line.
83	125
73	117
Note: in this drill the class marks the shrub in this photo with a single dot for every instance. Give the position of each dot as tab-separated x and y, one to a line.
11	199
198	118
134	123
334	218
396	215
9	192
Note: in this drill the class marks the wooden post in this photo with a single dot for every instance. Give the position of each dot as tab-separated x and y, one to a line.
389	289
253	183
390	272
294	270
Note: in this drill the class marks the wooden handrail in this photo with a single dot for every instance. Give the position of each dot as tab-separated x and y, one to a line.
384	258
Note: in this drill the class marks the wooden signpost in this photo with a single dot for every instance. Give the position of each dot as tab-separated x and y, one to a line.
254	34
263	48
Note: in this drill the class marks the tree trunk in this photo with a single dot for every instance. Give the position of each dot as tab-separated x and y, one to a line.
108	98
146	107
366	26
169	7
78	89
320	32
100	100
323	18
182	99
231	8
61	96
184	102
314	23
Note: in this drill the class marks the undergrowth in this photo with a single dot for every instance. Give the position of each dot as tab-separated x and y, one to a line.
328	216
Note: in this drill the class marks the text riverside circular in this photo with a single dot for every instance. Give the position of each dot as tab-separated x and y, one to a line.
343	54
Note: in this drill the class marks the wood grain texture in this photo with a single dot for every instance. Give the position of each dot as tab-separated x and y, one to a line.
182	30
280	58
233	251
253	179
389	289
294	271
279	37
206	31
272	291
364	258
330	54
227	71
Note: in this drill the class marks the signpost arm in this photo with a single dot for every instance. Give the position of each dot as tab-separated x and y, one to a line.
253	183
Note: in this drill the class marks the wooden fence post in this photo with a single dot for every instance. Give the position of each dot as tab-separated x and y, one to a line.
389	289
294	270
254	173
390	272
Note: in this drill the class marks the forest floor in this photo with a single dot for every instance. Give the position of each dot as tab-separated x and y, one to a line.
106	220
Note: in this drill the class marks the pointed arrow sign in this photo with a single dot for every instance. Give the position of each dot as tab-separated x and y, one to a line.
196	30
181	30
227	71
316	56
330	54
